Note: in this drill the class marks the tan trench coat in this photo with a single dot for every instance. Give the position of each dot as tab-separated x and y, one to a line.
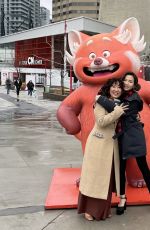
100	151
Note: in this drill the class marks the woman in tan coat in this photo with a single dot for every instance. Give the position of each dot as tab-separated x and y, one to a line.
100	168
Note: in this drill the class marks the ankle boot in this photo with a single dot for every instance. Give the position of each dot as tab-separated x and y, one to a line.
120	209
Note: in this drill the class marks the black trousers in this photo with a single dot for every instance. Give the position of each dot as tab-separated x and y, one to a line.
17	91
143	166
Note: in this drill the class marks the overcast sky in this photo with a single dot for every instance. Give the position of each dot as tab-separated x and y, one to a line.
47	4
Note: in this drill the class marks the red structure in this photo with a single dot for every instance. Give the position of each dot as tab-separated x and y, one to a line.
37	52
91	58
63	182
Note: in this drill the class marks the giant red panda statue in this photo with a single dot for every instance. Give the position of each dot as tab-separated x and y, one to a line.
95	59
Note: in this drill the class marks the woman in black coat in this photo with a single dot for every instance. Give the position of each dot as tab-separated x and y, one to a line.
130	134
18	84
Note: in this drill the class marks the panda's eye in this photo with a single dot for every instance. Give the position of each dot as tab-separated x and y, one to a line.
106	53
92	56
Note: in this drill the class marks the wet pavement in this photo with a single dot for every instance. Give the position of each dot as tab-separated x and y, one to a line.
32	144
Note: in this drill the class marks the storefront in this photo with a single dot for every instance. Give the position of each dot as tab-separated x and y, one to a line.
39	54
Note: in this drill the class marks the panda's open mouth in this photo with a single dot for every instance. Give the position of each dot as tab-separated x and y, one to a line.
97	72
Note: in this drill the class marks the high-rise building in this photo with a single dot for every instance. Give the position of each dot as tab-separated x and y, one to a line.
18	15
66	9
44	16
116	11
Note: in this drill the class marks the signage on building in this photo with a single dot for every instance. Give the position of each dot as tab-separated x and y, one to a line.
31	61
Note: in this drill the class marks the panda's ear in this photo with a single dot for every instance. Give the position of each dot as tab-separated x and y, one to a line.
132	25
129	31
75	39
70	58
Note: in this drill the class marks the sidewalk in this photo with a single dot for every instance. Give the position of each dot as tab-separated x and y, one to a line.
23	95
36	99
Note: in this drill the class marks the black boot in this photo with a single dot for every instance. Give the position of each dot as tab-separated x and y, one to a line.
120	209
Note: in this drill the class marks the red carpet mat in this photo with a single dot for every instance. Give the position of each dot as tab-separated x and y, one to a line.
63	192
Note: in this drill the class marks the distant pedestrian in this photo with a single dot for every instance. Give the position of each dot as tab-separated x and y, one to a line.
8	85
30	87
18	84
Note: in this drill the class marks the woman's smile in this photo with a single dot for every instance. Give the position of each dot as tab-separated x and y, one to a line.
128	83
115	91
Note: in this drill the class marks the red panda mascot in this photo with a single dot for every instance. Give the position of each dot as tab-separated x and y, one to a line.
95	59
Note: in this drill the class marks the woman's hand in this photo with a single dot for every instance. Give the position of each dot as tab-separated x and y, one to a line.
124	107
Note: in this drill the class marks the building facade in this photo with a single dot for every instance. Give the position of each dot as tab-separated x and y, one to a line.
39	53
44	16
116	11
19	15
66	9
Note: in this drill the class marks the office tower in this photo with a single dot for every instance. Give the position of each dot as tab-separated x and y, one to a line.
18	15
116	11
44	16
65	9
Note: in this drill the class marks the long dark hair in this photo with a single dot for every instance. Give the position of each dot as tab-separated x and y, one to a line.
105	90
137	86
